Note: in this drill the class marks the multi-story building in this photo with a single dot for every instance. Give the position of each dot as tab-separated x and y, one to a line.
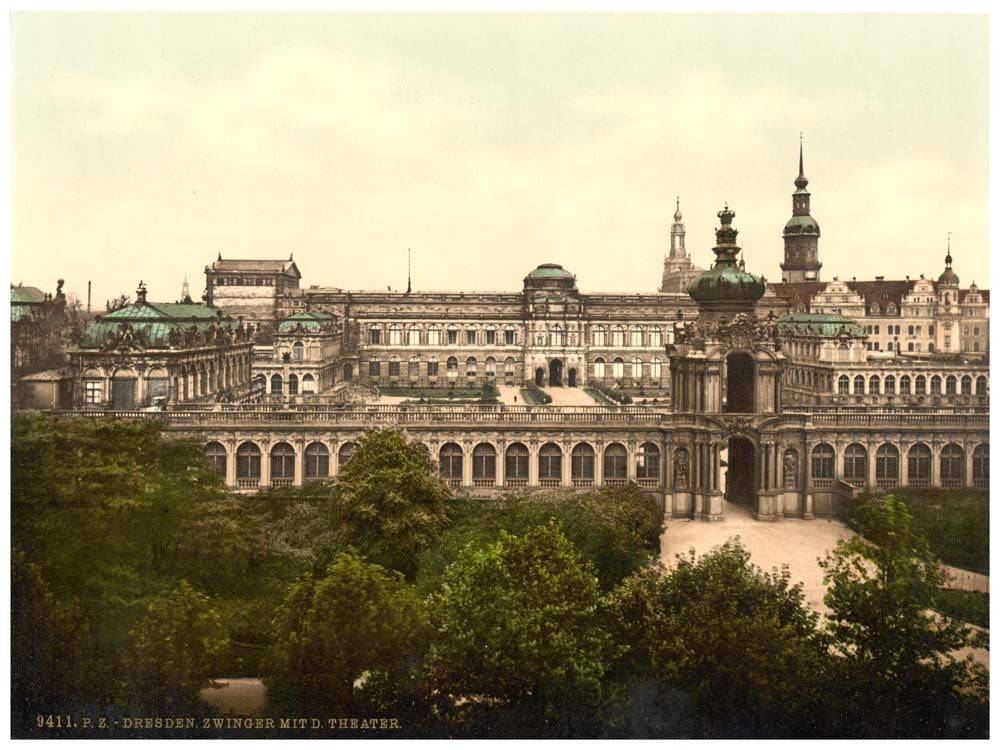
251	289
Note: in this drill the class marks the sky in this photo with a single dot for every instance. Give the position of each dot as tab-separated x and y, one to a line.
144	145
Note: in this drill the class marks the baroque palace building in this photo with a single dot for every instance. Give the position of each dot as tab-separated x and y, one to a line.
786	397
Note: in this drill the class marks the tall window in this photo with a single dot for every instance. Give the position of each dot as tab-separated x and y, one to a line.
890	385
491	336
855	462
887	463
451	461
317	461
656	368
936	386
844	385
918	463
648	462
395	334
967	385
904	385
345	453
981	385
920	385
636	338
822	461
618	368
509	336
599	368
617	336
298	351
981	465
282	461
484	462
516	462
615	462
491	367
655	337
414	367
432	367
598	336
374	368
556	336
393	367
452	335
248	461
293	385
508	367
470	367
859	385
550	462
433	335
873	385
413	336
636	367
374	335
276	384
582	461
952	464
470	336
215	453
452	367
92	391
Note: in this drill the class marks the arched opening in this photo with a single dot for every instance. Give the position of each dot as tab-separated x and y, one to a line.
571	377
741	479
550	465
450	463
317	462
216	455
555	372
540	376
582	465
484	465
276	384
282	465
739	383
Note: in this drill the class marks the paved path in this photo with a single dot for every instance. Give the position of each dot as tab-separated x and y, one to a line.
565	396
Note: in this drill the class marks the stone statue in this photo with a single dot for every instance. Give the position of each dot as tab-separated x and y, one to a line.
791	470
681	469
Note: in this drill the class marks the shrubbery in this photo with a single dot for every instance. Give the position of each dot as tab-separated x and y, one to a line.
535	395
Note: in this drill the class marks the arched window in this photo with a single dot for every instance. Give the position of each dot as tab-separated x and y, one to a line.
618	336
890	385
636	339
598	336
655	337
413	367
293	385
918	465
936	385
856	463
920	385
374	367
822	461
276	384
345	453
615	462
599	368
317	461
509	336
216	455
859	385
967	385
393	366
432	366
308	384
484	465
950	385
413	335
395	334
636	367
452	367
887	463
904	385
952	466
648	462
508	367
844	385
981	465
873	385
516	463
452	335
248	461
556	335
491	335
981	385
298	351
550	463
582	462
470	367
656	368
491	367
375	335
434	335
618	368
451	462
282	462
470	336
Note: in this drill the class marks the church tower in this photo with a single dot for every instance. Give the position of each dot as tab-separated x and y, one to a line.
677	267
801	235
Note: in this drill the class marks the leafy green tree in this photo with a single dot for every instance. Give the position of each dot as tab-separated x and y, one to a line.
48	647
900	662
349	641
175	649
722	648
519	644
391	501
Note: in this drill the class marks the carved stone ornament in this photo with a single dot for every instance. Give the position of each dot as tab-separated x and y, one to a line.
125	339
791	469
681	469
739	425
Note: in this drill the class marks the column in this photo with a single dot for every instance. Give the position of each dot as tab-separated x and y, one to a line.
230	463
935	464
871	464
567	466
632	458
265	464
467	464
904	465
299	461
598	464
533	463
968	462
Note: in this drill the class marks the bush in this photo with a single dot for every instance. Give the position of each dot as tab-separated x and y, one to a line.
535	395
614	394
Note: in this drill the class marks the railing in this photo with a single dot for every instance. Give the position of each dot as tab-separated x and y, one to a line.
822	484
918	483
952	483
247	484
648	482
615	482
515	483
858	484
549	482
281	481
454	483
484	482
886	484
982	484
583	482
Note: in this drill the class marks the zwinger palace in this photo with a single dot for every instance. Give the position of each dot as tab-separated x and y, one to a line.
786	397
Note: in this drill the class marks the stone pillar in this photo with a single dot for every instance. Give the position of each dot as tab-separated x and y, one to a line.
904	465
871	448
300	454
968	462
631	460
599	464
935	464
567	464
265	464
467	464
231	463
533	463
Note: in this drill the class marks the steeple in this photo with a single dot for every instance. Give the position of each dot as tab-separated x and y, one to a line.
801	233
185	292
409	284
949	277
677	234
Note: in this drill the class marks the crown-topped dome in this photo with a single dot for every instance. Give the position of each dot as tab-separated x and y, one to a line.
677	213
725	282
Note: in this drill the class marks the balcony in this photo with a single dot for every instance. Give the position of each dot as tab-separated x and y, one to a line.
247	484
454	483
952	483
648	482
919	483
615	482
886	484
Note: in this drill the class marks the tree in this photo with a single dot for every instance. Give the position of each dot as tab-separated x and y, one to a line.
722	641
175	649
390	500
899	654
519	637
348	640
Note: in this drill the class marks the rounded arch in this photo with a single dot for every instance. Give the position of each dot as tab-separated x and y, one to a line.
550	463
516	462
308	383
484	463
740	379
873	385
918	465
967	385
904	385
981	385
450	461
952	465
215	453
920	385
248	461
887	463
981	465
951	385
345	453
856	463
293	385
647	465
823	459
298	351
282	461
277	384
317	461
859	385
615	462
582	462
844	385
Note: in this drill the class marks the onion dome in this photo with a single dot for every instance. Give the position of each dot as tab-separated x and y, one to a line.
725	282
677	213
949	277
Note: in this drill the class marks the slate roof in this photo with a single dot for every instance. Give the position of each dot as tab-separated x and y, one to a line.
255	265
153	322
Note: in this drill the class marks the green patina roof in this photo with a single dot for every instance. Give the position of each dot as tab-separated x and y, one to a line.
309	320
550	271
725	283
802	225
153	322
818	324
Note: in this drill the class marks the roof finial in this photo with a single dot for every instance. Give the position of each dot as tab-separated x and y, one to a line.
409	285
947	258
677	213
220	255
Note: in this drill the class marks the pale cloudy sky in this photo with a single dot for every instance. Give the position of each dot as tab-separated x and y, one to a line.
144	145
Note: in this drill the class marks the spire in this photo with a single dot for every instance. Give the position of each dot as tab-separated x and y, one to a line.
185	292
801	181
409	284
947	258
677	213
677	249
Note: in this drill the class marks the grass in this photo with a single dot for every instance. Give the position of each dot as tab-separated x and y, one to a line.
599	397
968	606
439	393
955	522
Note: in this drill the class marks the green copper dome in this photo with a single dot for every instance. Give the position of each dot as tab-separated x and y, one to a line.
802	225
726	281
550	271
